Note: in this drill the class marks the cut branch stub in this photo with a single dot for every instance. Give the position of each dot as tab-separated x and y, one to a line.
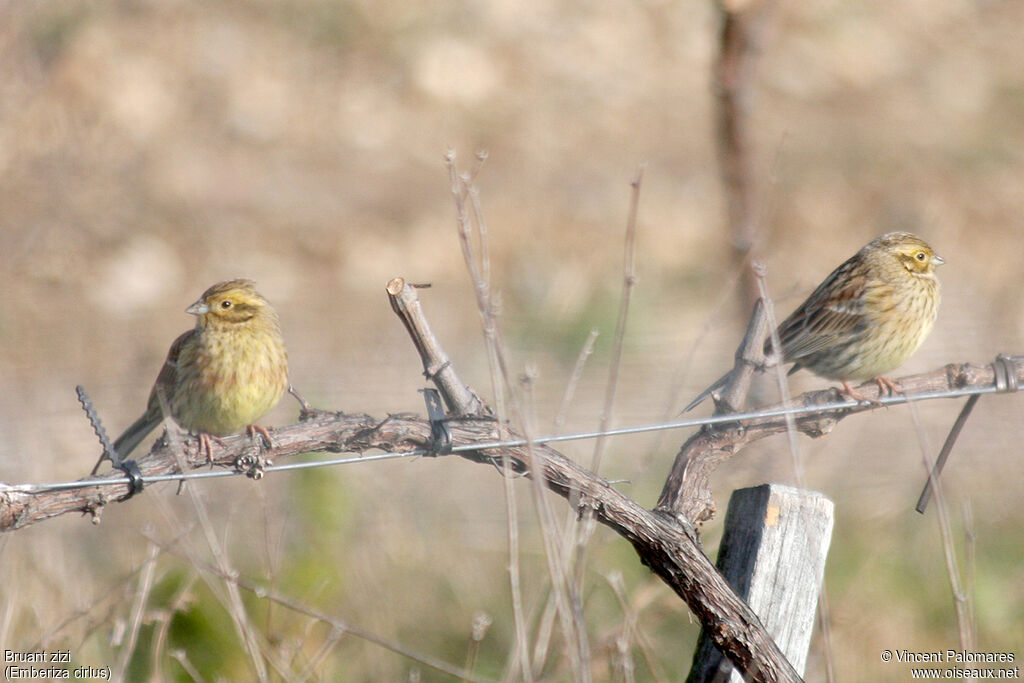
437	367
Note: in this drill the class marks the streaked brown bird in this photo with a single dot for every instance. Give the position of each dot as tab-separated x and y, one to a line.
222	375
866	319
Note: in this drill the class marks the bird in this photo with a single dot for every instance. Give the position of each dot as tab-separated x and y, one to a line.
222	375
865	319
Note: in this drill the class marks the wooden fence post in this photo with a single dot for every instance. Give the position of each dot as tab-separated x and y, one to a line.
773	555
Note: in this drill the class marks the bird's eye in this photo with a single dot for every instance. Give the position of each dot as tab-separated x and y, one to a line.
920	256
225	304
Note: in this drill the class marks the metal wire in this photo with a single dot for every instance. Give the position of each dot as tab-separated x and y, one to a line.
485	445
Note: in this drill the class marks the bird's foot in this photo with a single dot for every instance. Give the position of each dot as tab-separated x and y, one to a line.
850	392
206	444
886	385
253	430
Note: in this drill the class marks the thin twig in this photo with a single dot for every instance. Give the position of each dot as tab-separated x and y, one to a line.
461	188
176	603
568	602
628	282
580	534
233	602
824	619
574	380
478	630
947	447
780	374
970	570
631	630
142	593
340	626
960	599
544	629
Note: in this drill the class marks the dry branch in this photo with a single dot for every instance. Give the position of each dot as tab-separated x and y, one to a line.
687	490
670	548
664	538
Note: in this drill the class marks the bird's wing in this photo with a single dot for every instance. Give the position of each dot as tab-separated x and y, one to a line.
167	378
829	312
154	414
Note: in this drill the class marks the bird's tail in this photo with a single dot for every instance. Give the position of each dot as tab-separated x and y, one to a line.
138	431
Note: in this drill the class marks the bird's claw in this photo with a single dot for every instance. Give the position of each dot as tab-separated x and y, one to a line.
206	445
885	385
253	430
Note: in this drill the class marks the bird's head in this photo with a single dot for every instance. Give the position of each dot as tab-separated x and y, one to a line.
229	302
912	252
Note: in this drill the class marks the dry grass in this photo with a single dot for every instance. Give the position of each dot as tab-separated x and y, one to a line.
149	150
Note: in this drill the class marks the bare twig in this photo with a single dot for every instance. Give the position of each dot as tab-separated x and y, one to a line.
478	264
339	627
176	603
960	599
579	534
142	593
232	601
947	447
574	379
567	601
824	620
631	629
970	569
730	391
628	282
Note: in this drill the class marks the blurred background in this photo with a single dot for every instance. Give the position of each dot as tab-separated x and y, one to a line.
150	149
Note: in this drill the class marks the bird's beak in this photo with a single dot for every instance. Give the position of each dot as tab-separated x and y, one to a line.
937	260
198	308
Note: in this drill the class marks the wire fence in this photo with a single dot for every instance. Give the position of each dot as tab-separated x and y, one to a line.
511	443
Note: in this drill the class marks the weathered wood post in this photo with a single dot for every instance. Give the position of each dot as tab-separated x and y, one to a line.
773	555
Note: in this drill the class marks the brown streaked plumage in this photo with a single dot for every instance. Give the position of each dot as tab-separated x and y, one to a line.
222	375
868	316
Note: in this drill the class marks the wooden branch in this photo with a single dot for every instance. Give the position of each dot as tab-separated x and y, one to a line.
687	491
670	548
317	431
664	539
436	365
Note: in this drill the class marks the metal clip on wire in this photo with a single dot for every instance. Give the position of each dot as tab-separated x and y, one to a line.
129	467
1006	373
440	433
